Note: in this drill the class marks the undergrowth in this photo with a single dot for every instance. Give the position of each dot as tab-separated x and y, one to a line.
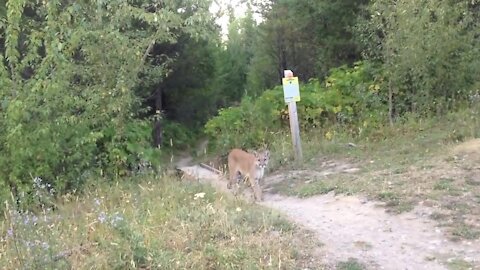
147	224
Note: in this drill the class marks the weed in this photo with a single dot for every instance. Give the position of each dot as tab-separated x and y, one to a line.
387	196
363	245
438	216
394	202
459	264
447	185
144	224
401	206
472	182
351	264
465	231
458	206
318	187
30	233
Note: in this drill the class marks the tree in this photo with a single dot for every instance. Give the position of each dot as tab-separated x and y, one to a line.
67	74
234	57
187	92
429	51
174	85
308	37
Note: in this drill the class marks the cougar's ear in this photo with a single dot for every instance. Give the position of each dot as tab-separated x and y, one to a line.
267	153
255	153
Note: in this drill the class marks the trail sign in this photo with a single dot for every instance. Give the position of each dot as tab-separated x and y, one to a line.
291	89
291	92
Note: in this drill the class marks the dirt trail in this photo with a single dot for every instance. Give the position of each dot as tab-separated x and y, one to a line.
352	227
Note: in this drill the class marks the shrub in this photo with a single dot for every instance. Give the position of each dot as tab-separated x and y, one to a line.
67	108
176	135
128	150
352	97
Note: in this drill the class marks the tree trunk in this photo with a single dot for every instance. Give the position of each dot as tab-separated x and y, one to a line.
283	64
157	123
390	102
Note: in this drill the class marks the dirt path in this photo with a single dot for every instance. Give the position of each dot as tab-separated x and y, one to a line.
352	227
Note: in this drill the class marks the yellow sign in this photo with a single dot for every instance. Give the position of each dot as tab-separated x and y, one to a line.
291	89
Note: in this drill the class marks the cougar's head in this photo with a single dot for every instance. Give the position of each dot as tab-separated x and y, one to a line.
261	159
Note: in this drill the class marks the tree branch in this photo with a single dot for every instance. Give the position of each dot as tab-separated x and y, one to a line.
147	52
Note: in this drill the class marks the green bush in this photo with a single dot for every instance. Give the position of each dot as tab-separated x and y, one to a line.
67	108
431	69
122	152
247	125
352	97
176	135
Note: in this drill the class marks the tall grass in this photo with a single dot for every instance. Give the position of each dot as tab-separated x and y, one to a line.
147	224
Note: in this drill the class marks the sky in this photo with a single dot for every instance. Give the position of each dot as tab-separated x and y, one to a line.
239	11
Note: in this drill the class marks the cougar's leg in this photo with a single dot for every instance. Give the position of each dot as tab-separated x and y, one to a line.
238	184
241	182
257	189
231	177
234	182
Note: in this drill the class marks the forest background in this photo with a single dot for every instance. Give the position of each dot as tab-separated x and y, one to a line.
94	89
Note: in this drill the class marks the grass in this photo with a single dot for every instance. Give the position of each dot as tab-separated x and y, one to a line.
149	224
464	231
459	264
409	163
350	264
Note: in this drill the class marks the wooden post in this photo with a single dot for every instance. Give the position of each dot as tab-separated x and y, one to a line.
291	91
295	130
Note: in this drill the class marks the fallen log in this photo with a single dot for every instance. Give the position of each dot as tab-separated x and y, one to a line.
210	168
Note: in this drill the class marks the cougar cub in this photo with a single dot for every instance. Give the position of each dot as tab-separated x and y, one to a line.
251	166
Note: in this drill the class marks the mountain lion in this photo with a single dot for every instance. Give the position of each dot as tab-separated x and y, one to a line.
248	165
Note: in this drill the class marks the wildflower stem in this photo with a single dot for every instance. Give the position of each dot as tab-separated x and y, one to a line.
12	227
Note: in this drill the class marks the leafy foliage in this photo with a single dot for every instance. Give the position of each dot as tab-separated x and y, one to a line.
67	74
177	135
308	37
81	81
350	96
186	93
429	51
225	128
233	59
